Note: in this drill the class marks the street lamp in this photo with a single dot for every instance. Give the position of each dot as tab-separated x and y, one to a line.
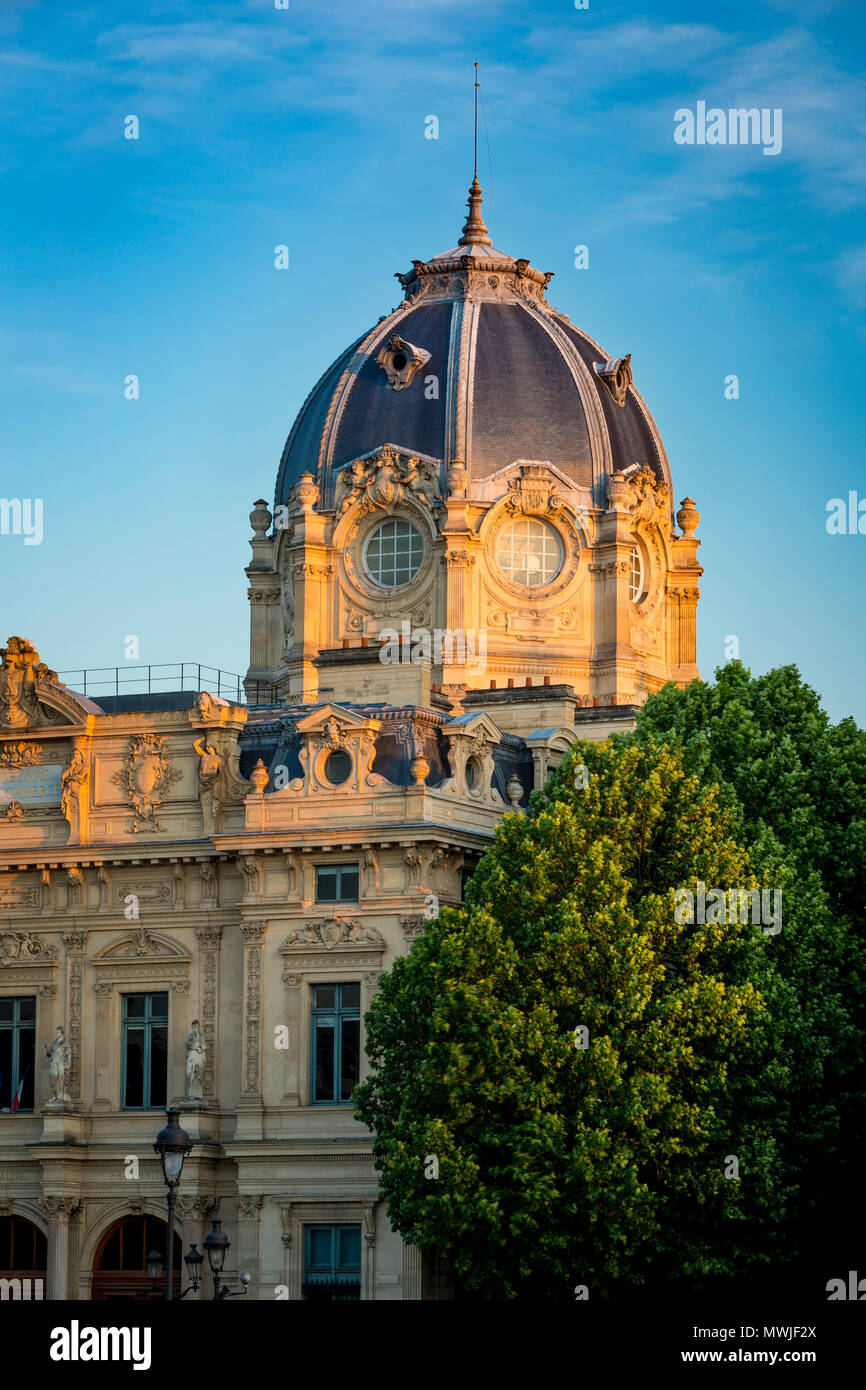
216	1244
172	1144
193	1260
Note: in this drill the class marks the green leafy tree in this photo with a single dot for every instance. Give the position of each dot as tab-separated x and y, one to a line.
801	783
560	1165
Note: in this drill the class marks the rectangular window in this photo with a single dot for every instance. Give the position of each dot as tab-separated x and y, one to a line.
17	1048
336	883
332	1263
465	878
335	1026
145	1051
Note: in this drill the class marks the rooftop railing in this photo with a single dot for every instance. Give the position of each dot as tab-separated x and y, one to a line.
164	678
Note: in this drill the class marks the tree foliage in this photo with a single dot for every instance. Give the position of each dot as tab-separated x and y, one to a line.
560	1165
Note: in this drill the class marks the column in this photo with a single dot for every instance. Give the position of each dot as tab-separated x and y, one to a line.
75	942
60	1212
249	1124
411	1272
292	1020
248	1239
104	1010
209	945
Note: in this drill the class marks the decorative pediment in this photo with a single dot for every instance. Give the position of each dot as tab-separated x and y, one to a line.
32	696
138	945
337	749
385	478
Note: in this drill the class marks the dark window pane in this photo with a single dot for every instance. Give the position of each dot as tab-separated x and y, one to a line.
5	1243
158	1065
133	1245
134	1005
320	1248
324	996
351	996
159	1006
134	1067
40	1258
349	885
324	1061
22	1246
111	1252
349	1255
7	1008
326	885
351	1054
7	1084
26	1010
26	1050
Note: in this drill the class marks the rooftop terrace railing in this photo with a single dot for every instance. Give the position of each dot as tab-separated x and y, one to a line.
167	677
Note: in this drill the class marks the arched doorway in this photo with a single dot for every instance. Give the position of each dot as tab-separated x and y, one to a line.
120	1265
23	1258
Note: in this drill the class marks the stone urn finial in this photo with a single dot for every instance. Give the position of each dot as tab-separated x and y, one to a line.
260	518
618	491
418	769
514	790
688	517
458	478
259	777
307	492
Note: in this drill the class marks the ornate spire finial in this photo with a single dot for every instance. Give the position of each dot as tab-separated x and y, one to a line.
475	231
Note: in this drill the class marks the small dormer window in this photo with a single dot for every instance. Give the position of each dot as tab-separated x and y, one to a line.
617	377
400	361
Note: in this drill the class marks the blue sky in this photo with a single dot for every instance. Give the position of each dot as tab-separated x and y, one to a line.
306	127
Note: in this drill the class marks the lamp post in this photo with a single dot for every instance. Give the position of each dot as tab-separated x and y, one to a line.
216	1244
172	1144
193	1260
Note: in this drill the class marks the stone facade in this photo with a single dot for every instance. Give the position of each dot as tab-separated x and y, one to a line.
186	850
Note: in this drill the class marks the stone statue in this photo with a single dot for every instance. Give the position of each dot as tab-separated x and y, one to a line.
194	1063
209	769
72	781
59	1056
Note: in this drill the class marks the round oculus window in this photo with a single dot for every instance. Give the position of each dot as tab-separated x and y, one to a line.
393	553
529	551
338	767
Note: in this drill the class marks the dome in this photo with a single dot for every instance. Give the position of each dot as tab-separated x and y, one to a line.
475	366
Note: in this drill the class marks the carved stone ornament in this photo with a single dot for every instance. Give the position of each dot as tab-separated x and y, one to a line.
333	931
20	673
22	946
145	777
532	491
400	361
384	479
637	490
617	376
20	754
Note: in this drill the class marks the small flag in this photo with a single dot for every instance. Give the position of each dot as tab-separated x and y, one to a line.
16	1099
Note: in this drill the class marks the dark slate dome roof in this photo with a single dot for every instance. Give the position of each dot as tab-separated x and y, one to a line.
514	379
